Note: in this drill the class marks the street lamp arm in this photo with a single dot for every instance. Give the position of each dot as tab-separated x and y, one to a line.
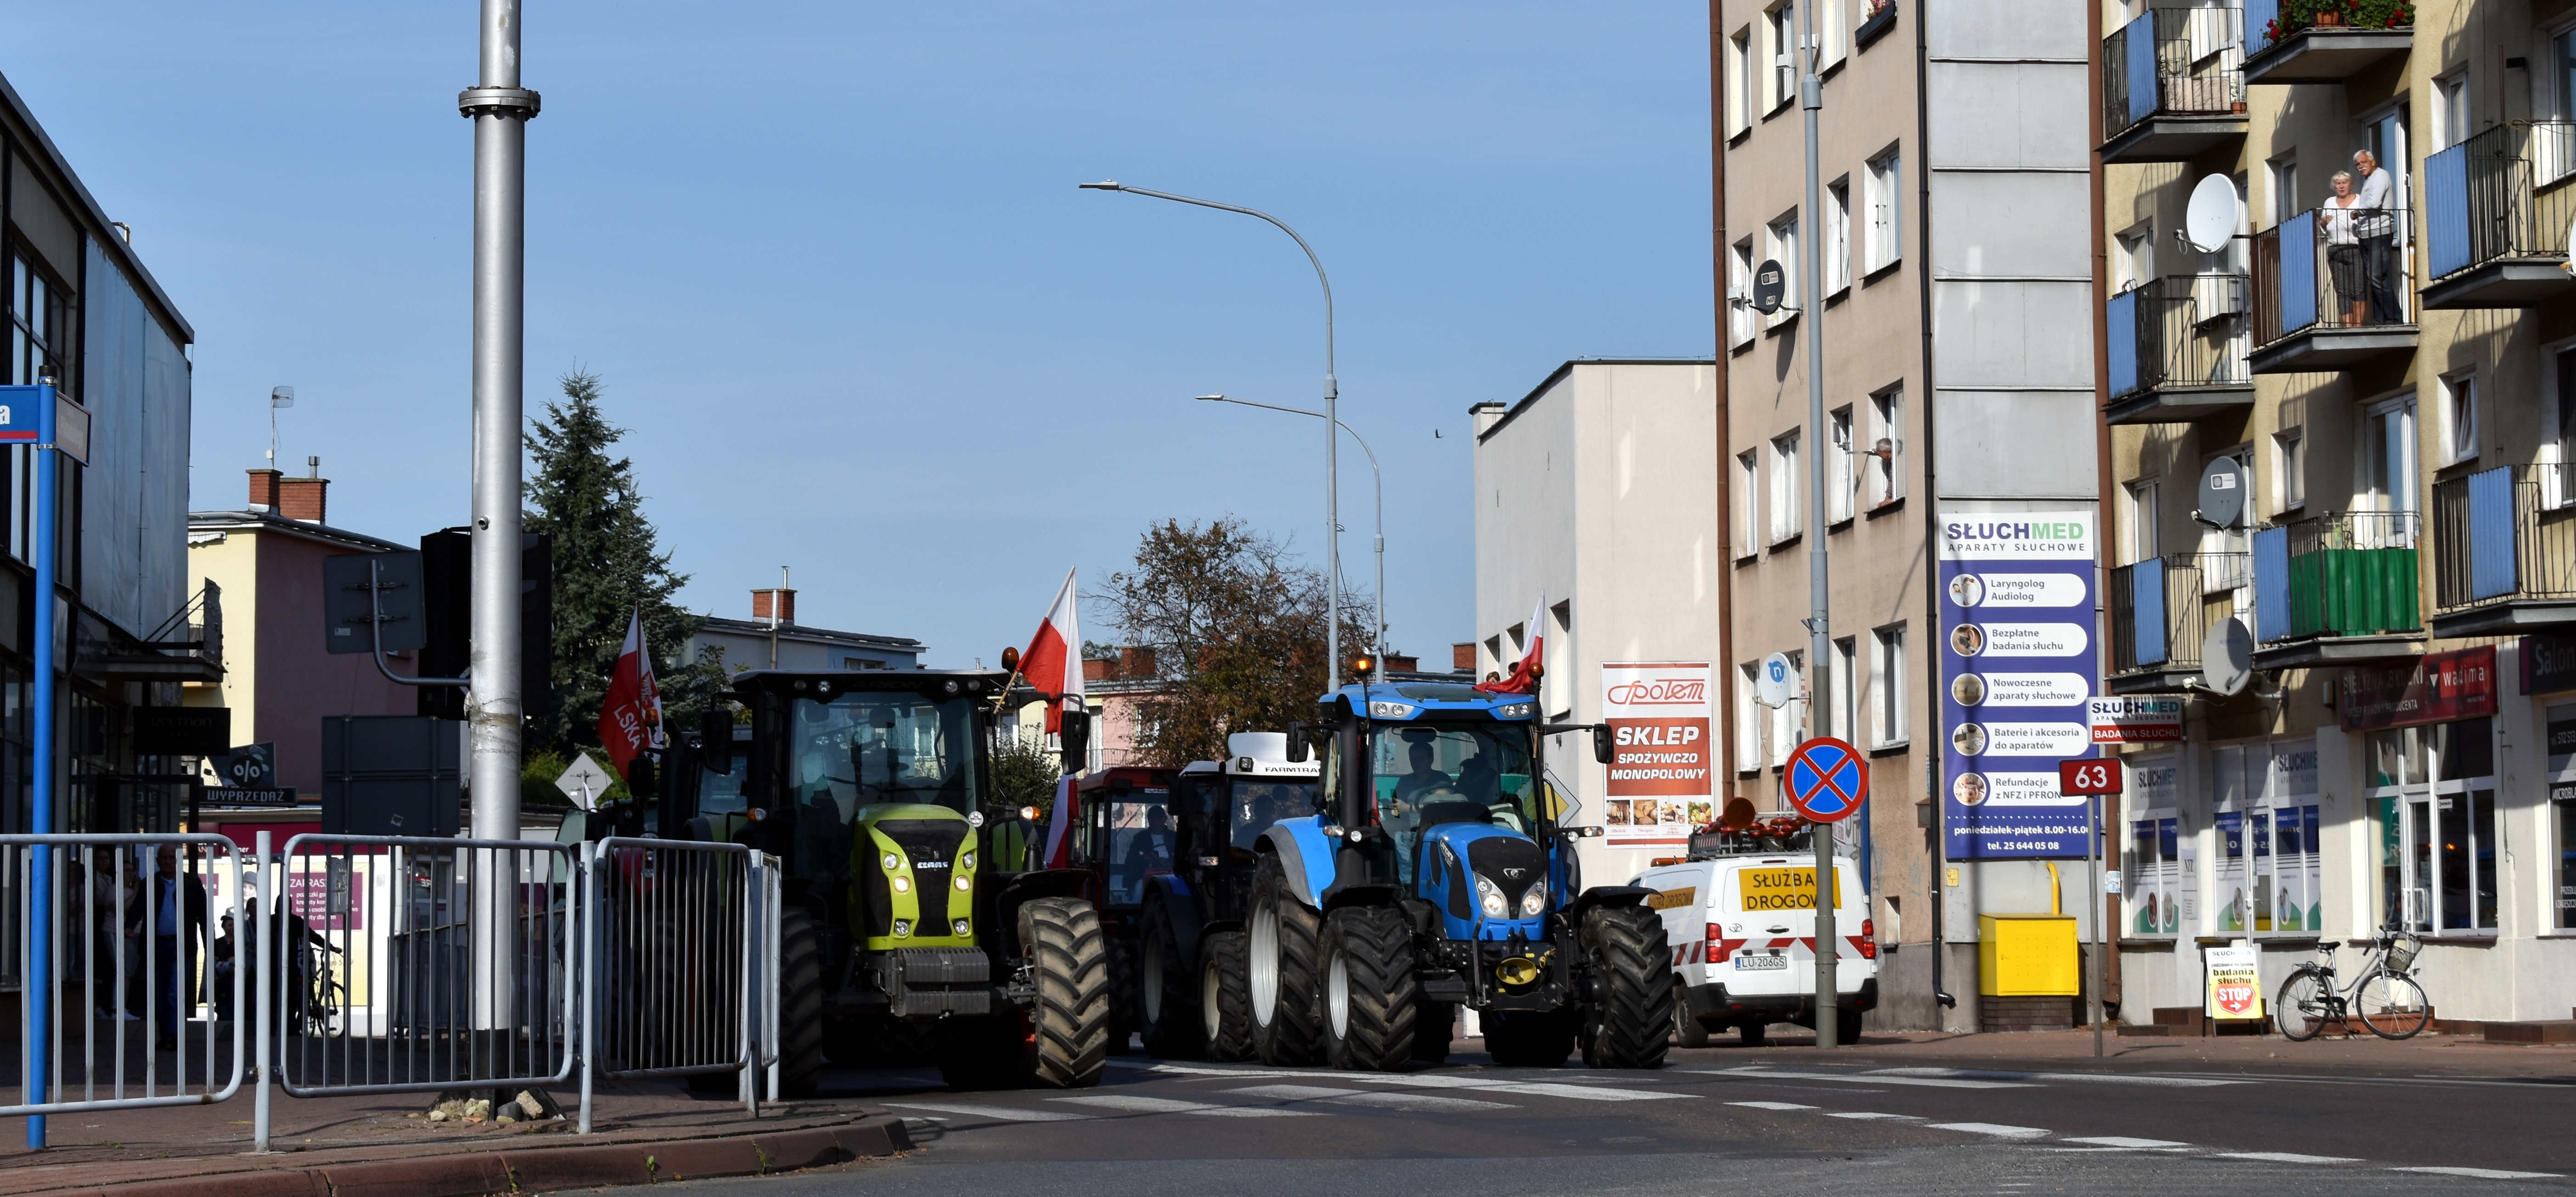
1329	381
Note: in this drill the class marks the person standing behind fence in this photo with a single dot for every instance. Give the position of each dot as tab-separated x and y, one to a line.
179	906
2379	237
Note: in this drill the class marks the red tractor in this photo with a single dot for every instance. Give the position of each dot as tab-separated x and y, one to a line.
1122	835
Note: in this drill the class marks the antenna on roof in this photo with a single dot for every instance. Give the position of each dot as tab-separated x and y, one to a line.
277	397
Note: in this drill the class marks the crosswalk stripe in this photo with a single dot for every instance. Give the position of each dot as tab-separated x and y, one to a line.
1861	1078
2108	1078
2286	1157
1867	1115
2125	1141
1771	1105
1165	1105
1993	1128
2482	1173
1360	1097
997	1113
1427	1080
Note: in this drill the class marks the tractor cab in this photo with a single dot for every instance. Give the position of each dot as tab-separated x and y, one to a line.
1224	806
1125	836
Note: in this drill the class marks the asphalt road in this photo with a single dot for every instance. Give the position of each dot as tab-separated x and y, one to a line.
1792	1120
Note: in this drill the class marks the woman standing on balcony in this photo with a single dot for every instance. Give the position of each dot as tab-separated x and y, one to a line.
2342	215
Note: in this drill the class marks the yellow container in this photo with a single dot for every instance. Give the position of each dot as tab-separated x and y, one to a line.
2027	955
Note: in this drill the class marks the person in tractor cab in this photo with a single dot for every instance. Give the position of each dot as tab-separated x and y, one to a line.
1148	851
1425	775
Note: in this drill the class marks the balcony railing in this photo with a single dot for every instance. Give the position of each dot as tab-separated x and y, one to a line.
2346	574
2507	192
2172	61
2189	331
2162	608
2331	268
2269	21
2504	534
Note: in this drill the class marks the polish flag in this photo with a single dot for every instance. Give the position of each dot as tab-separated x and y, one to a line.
1523	679
630	717
1053	662
1059	839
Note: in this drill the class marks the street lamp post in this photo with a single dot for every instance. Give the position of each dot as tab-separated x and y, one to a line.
1332	394
1378	481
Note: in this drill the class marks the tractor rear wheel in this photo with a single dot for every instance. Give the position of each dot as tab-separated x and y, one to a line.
800	1004
1369	989
1166	988
1284	938
1225	996
1123	1005
1529	1038
1630	1017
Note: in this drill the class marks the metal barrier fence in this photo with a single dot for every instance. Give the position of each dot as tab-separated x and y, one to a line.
129	925
680	976
386	988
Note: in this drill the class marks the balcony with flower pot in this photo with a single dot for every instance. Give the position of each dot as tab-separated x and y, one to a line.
2171	84
2323	41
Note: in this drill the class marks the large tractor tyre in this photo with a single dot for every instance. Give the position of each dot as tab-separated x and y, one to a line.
1166	990
1687	1029
1069	963
1629	1020
1284	943
1225	996
1433	1022
1125	1008
800	1004
1370	995
1529	1038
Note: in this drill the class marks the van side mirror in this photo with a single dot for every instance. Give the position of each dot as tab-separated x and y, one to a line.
715	736
1602	748
1297	746
1073	731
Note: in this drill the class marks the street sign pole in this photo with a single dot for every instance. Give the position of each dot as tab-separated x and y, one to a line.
1820	644
1827	781
2096	780
40	814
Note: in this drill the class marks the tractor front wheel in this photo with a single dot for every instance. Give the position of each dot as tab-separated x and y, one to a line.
1630	1019
800	1004
1369	989
1068	957
1225	996
1284	938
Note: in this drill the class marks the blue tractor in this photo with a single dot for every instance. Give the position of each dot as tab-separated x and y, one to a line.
1439	873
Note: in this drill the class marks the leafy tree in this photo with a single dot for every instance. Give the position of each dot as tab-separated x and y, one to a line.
607	563
1024	772
1237	625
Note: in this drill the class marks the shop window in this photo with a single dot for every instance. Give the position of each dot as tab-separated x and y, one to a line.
2432	806
2158	882
2562	809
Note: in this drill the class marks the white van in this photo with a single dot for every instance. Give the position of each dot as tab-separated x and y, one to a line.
1743	927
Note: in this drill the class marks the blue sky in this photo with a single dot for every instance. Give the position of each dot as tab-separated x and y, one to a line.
831	262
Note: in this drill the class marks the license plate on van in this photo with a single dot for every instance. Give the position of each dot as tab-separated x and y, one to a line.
1759	963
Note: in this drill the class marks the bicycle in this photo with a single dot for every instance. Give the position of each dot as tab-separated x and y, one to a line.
2384	994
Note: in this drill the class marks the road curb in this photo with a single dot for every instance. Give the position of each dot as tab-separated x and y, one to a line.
540	1170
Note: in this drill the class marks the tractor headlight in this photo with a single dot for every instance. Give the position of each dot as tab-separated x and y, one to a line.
960	927
1490	896
893	862
903	885
965	882
902	927
966	861
1534	900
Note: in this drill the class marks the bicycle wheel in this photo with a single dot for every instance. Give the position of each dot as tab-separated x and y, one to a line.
2392	1005
2299	1009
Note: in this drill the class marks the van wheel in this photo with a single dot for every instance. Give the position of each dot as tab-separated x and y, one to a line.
1686	1030
1846	1026
1753	1034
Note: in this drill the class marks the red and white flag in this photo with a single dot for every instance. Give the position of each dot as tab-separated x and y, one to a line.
1053	662
630	717
1524	676
1059	838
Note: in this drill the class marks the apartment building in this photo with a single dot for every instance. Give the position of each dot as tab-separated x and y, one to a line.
2382	350
1957	368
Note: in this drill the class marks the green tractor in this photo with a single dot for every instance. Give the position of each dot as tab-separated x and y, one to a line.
910	924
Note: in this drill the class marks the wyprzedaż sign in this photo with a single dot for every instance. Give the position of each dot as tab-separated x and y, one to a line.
1662	765
2017	672
1826	779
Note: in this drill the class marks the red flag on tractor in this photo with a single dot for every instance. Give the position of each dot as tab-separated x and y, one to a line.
1524	675
1053	662
630	717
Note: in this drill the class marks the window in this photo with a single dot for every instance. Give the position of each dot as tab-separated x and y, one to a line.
2283	183
1839	481
1833	34
2290	467
1742	318
2432	807
2387	466
2158	886
1885	241
2459	418
1780	244
2270	872
1748	718
39	346
1887	449
1785	718
2557	456
2138	522
1784	487
2450	111
2133	257
1780	43
1837	235
1740	77
2565	64
1845	700
1748	506
1887	683
2562	810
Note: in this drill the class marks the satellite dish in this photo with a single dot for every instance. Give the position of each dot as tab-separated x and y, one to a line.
2227	656
1770	286
1775	681
2222	494
2210	223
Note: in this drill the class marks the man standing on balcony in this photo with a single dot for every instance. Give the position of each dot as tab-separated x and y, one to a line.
2379	236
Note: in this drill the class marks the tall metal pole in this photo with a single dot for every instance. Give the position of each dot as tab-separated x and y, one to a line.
40	870
1332	396
500	110
2098	907
1820	639
1377	480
